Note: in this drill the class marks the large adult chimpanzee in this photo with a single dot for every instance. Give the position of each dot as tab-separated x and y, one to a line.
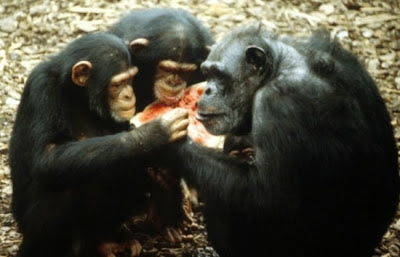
322	177
167	45
77	170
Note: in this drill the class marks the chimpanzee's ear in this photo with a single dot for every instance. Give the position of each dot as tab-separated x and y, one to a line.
137	44
256	55
81	73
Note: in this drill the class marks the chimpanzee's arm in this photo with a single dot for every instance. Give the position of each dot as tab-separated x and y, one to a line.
212	171
73	160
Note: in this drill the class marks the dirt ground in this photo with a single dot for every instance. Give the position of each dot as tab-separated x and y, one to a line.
31	30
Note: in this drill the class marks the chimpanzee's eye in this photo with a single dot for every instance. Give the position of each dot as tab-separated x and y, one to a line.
121	83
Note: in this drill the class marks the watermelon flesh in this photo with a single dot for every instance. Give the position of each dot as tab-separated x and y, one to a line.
188	101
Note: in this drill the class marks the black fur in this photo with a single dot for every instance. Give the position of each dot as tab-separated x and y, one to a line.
69	198
324	180
174	34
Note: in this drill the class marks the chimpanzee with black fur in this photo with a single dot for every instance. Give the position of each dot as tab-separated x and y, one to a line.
78	171
167	45
322	177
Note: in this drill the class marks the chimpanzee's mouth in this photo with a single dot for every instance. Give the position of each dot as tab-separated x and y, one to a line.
169	94
203	116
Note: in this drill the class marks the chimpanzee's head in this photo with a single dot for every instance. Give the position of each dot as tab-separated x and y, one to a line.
236	67
168	45
100	63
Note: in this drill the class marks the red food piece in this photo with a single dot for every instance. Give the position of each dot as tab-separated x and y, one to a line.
188	101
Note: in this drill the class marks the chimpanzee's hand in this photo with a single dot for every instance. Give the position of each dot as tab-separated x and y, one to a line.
175	122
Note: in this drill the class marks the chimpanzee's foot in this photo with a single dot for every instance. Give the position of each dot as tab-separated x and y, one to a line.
175	235
111	249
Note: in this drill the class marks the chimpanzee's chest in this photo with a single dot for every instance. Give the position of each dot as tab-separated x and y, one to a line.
85	125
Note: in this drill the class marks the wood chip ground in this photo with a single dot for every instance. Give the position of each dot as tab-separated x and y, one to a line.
31	30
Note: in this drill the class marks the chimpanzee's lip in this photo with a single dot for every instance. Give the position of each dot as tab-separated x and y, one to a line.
204	116
171	98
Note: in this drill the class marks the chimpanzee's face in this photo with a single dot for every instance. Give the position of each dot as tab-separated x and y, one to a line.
170	80
121	97
234	73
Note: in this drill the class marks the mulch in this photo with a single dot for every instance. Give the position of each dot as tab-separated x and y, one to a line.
32	30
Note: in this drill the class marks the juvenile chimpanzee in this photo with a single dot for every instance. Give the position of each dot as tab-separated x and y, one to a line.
77	170
322	177
168	45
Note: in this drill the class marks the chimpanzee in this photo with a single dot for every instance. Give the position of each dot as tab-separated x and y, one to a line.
168	45
322	177
78	171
